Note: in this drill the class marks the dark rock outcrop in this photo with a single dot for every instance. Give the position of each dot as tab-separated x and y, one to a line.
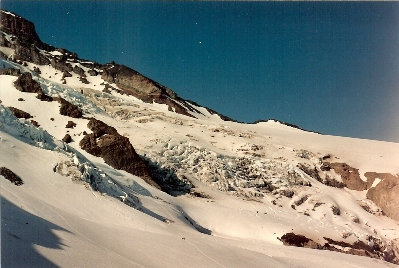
116	150
35	123
291	239
11	176
13	24
92	72
69	109
312	172
43	97
89	144
372	176
377	249
66	74
374	249
79	71
99	128
350	176
61	64
29	52
10	71
19	113
70	124
84	80
37	70
67	138
26	83
133	83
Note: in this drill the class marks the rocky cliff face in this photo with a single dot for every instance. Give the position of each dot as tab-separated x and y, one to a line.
21	28
135	84
24	40
27	46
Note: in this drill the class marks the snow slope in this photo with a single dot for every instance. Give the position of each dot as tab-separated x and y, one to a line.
243	186
48	225
78	227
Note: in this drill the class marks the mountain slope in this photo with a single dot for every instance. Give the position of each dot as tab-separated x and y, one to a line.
233	194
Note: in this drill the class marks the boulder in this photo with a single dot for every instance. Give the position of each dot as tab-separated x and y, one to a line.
66	74
70	124
292	239
67	138
84	80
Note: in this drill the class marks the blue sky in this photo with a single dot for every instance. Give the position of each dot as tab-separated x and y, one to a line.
325	66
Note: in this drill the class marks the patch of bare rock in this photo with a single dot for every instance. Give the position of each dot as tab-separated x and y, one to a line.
375	248
133	83
70	124
19	113
26	83
35	123
67	138
11	176
115	149
350	176
10	71
386	193
43	97
314	173
69	109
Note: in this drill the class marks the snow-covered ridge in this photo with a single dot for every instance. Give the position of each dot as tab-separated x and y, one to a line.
8	13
